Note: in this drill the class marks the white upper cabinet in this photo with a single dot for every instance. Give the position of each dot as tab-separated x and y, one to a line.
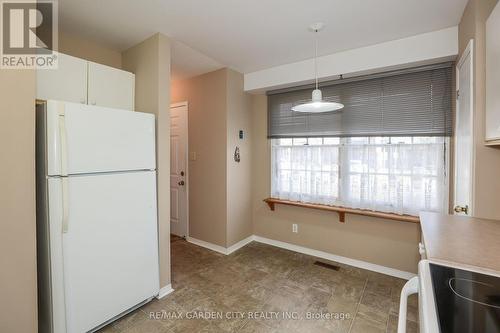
493	77
81	81
67	83
110	87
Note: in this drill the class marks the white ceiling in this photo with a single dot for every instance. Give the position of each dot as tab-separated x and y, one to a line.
253	34
187	62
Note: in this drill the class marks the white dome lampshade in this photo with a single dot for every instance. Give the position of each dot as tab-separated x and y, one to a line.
317	104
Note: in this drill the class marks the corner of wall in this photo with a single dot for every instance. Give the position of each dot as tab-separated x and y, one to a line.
150	61
239	174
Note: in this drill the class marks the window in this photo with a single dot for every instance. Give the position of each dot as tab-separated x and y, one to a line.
386	150
402	175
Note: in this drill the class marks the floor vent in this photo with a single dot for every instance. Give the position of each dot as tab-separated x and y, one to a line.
325	265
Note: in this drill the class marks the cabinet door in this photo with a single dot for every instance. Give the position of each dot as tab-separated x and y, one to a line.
493	76
110	87
66	83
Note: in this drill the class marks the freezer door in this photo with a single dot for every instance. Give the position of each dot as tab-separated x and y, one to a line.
83	139
110	247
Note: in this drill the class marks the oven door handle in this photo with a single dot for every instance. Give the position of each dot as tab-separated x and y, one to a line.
410	288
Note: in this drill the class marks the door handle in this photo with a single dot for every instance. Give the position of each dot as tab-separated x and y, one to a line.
460	209
65	204
181	183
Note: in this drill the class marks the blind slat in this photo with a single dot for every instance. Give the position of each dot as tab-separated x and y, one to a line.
409	104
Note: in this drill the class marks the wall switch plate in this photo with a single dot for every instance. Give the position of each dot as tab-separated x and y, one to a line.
295	228
192	156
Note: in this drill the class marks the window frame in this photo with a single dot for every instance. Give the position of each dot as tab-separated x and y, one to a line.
342	164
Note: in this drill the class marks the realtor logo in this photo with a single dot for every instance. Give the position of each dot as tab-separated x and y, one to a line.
29	34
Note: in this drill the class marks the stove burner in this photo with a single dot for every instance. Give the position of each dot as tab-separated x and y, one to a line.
477	292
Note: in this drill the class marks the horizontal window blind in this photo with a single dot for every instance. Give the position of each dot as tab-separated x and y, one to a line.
417	102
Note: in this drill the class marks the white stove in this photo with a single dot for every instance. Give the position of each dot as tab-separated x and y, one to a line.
453	299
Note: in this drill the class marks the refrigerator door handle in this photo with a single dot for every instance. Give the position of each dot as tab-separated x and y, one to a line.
65	204
64	168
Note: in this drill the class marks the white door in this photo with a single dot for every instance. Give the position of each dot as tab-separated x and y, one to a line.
92	139
178	169
110	248
464	135
110	87
66	83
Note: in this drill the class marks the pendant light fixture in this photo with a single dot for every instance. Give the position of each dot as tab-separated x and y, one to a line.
317	103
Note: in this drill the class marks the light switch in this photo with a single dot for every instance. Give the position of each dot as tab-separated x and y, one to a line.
192	156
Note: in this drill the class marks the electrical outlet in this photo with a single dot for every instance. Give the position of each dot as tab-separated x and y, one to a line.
295	228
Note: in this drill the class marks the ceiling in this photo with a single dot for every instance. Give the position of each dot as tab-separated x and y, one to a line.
253	34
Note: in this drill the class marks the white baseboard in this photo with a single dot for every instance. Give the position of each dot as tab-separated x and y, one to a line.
301	249
207	245
221	249
240	244
165	291
332	257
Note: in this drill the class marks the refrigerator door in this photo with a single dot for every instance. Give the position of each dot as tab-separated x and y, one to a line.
84	139
110	248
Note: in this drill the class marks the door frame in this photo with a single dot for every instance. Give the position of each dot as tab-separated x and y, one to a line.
469	51
177	105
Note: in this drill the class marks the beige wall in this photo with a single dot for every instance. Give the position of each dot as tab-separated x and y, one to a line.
219	199
239	175
83	48
487	159
18	300
383	242
150	61
206	97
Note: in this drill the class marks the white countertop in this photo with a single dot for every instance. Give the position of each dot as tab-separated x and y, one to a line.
461	240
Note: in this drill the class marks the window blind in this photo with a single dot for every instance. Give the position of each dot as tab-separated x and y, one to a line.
416	102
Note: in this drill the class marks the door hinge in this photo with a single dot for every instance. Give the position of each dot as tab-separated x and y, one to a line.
458	94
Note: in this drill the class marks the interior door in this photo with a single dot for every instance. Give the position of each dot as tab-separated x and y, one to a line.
66	83
110	249
464	135
178	169
111	87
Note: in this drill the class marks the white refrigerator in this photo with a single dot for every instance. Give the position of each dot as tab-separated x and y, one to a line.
97	240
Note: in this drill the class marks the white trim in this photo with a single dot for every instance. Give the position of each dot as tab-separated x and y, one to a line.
165	291
296	248
240	244
332	257
221	249
207	245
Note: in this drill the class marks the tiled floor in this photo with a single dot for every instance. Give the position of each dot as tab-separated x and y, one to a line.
254	288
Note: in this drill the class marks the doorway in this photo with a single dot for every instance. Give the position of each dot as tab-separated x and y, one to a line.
179	214
464	131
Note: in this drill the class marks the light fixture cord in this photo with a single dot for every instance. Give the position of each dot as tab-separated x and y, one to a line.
316	57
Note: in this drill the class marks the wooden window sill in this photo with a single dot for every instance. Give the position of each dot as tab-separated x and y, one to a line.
271	202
